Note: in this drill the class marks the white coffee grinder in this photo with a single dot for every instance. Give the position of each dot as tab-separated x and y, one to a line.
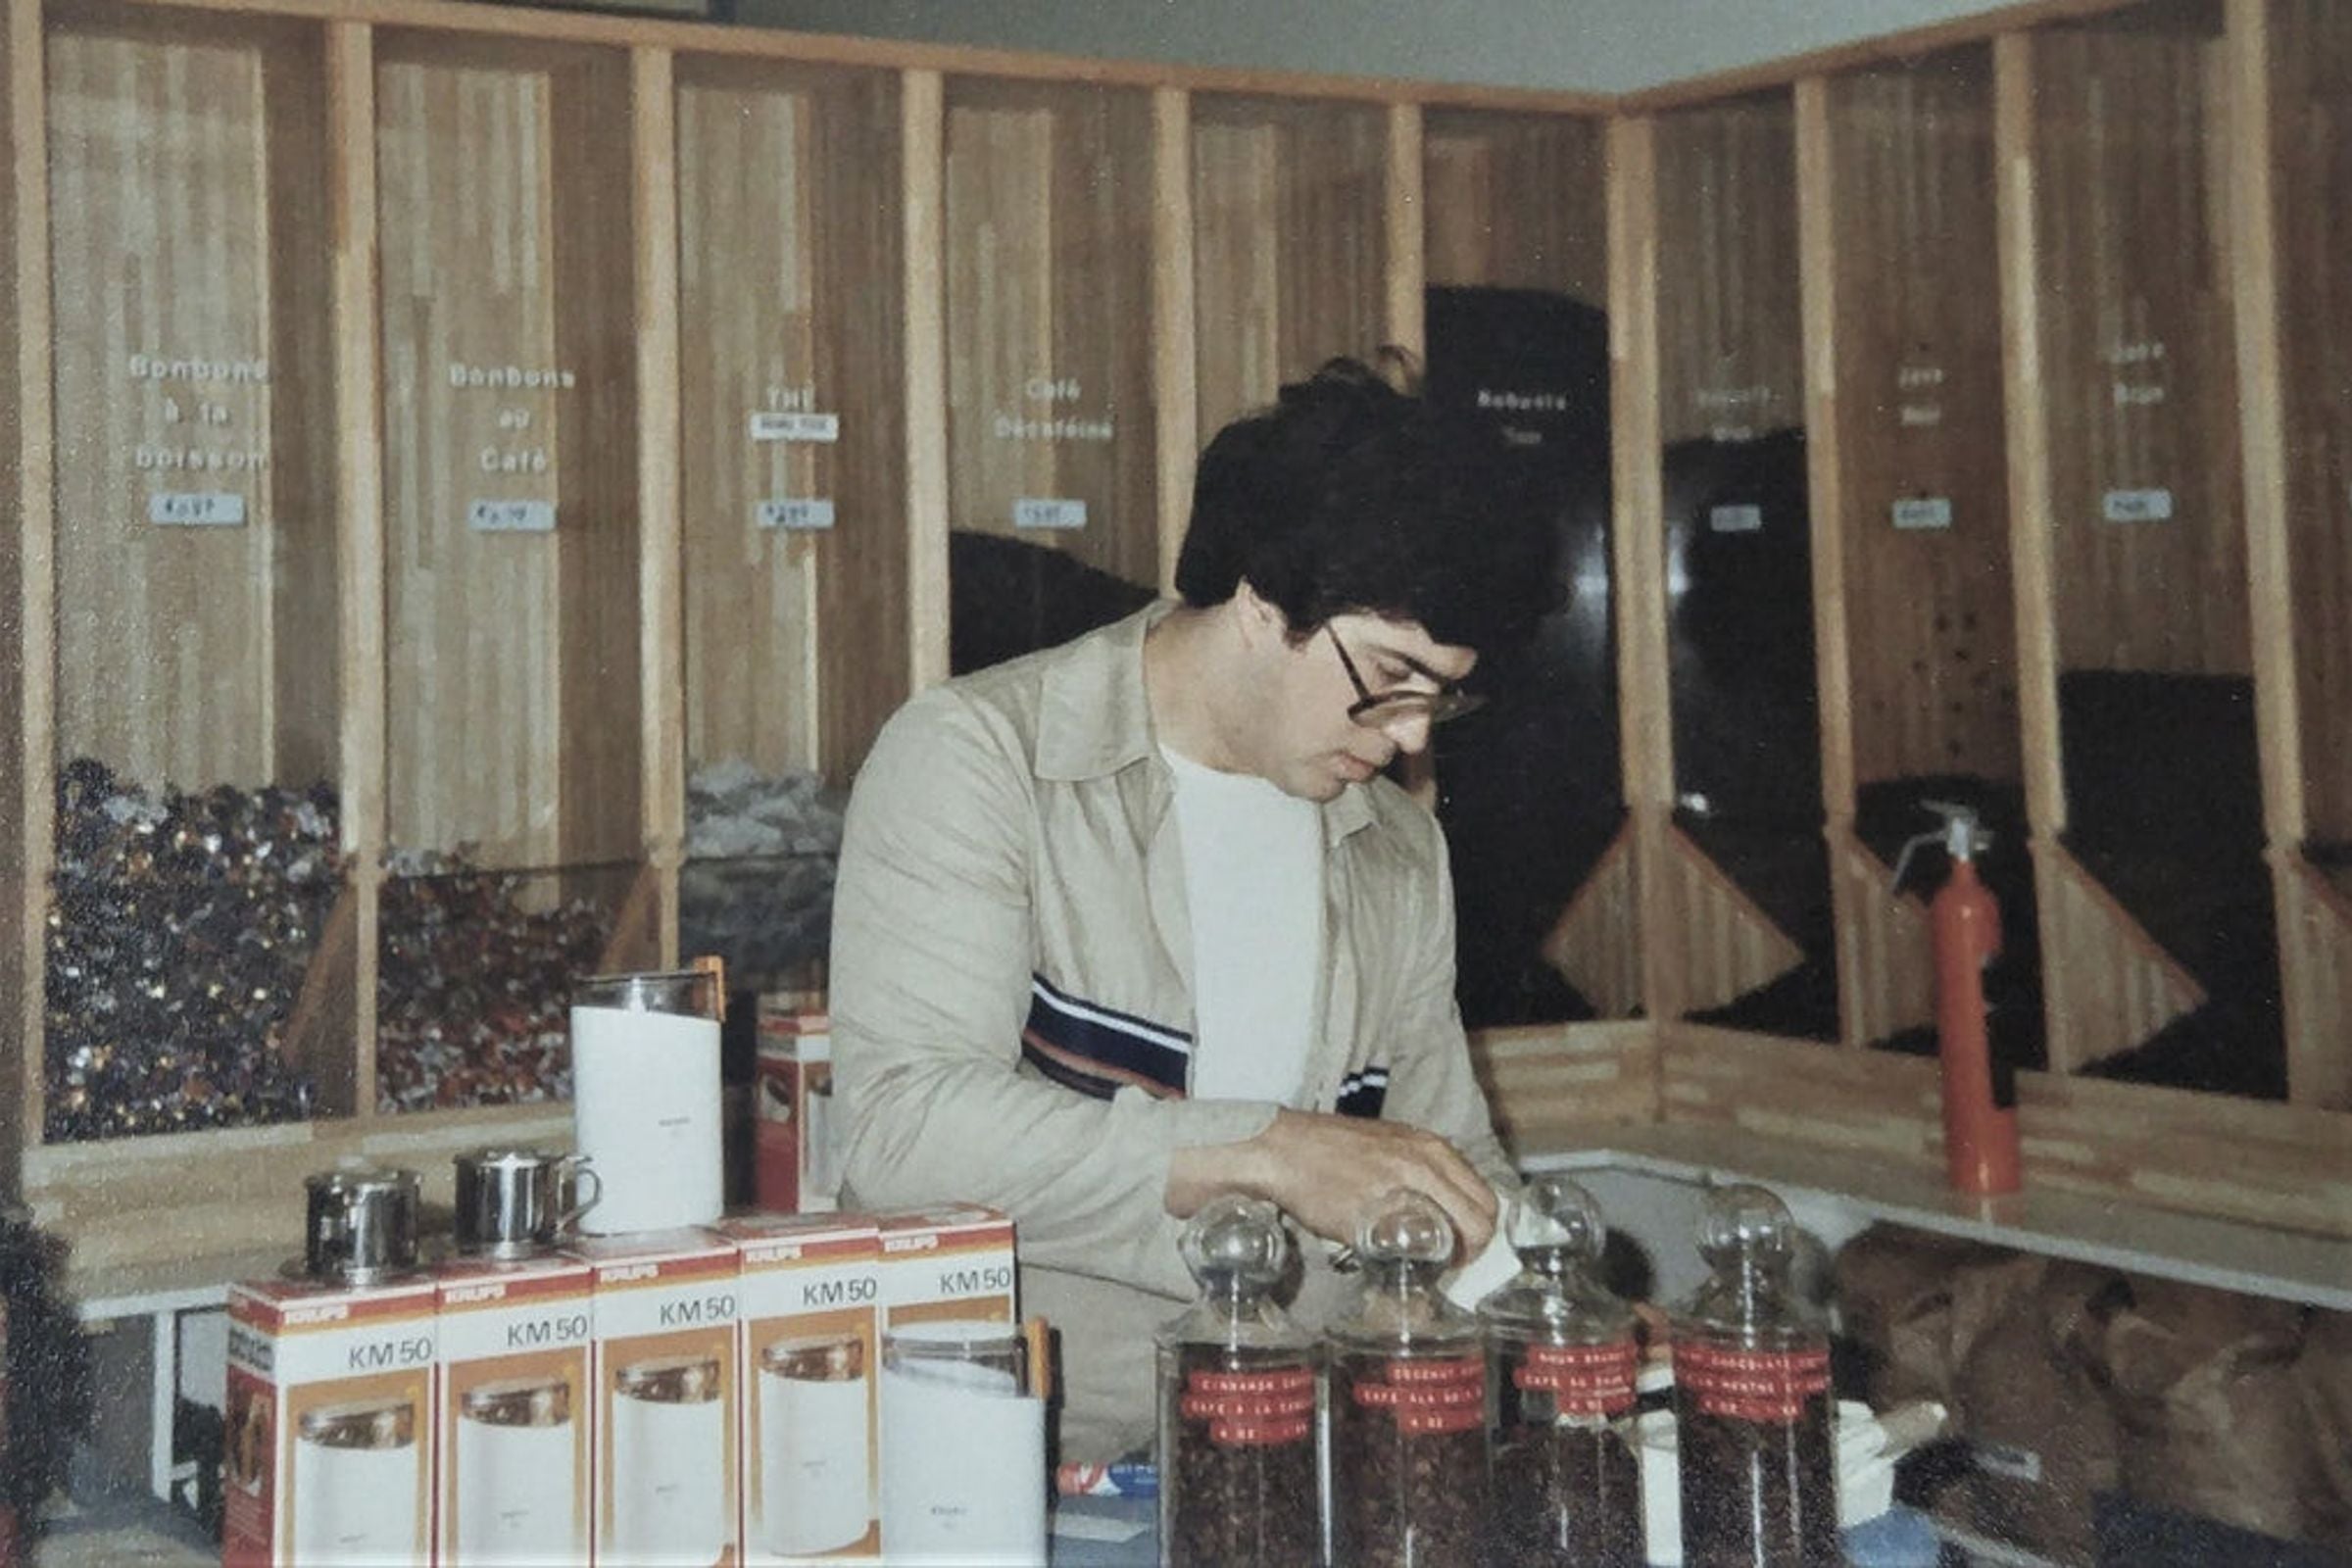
646	1096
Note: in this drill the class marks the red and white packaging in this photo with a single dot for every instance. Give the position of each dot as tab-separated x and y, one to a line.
517	1416
951	1262
330	1424
809	1359
796	1162
663	1370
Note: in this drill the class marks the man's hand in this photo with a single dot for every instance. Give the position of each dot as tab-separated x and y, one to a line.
1323	1169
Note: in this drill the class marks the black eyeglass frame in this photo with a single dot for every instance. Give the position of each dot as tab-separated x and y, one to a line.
1373	709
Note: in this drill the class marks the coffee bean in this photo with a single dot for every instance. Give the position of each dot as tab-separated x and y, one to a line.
1408	1460
1757	1494
1238	1461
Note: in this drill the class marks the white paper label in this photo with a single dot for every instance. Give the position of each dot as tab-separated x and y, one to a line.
770	425
1923	511
1742	518
512	517
2137	505
1036	511
794	514
196	509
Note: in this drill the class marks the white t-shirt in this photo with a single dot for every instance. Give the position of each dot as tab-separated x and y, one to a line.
1254	878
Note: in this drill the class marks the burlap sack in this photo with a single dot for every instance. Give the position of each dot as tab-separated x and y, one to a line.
1894	1291
2324	1381
2209	1408
2031	1399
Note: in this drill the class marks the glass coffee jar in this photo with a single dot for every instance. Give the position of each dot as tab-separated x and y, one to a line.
1238	1480
1561	1357
1408	1401
1751	1399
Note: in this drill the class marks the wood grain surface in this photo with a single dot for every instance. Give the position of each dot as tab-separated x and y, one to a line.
1929	605
189	288
1289	263
1516	201
2131	131
790	279
1051	327
514	676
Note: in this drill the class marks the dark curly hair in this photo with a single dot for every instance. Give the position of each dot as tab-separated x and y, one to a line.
1349	496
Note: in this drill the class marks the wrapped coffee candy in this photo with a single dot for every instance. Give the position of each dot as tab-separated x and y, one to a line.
1561	1355
1752	1411
1408	1401
1236	1404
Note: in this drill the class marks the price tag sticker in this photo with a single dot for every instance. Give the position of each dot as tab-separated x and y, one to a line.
2137	505
1916	513
769	425
1040	512
196	509
1745	517
794	513
512	517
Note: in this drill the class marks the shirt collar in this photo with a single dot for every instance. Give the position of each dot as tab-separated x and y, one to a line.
1093	718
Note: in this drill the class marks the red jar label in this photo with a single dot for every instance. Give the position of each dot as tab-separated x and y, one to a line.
1752	1385
1251	1409
1582	1379
1428	1395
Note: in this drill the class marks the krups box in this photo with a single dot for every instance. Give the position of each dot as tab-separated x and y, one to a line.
796	1166
947	1262
808	1353
330	1424
662	1367
515	1438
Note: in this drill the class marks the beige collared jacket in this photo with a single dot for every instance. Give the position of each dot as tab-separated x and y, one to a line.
1012	996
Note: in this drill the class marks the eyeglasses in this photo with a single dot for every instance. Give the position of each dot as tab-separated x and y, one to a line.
1377	709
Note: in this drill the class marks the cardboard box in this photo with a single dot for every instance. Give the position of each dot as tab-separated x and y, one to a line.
330	1424
663	1370
517	1416
795	1164
947	1262
808	1357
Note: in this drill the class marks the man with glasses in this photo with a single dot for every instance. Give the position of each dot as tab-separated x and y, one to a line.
1136	921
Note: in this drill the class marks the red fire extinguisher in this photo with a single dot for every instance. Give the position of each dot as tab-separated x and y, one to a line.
1980	1099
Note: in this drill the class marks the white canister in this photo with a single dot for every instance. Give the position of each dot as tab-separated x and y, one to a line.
670	1494
815	1430
516	1464
357	1485
964	1448
646	1098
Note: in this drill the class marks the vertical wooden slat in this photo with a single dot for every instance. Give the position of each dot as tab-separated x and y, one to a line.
1637	559
1403	209
923	124
36	475
1825	472
654	160
15	908
360	536
1174	362
2318	1063
2028	420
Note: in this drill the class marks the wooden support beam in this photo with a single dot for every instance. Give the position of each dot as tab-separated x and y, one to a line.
661	525
1176	414
1637	555
923	150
